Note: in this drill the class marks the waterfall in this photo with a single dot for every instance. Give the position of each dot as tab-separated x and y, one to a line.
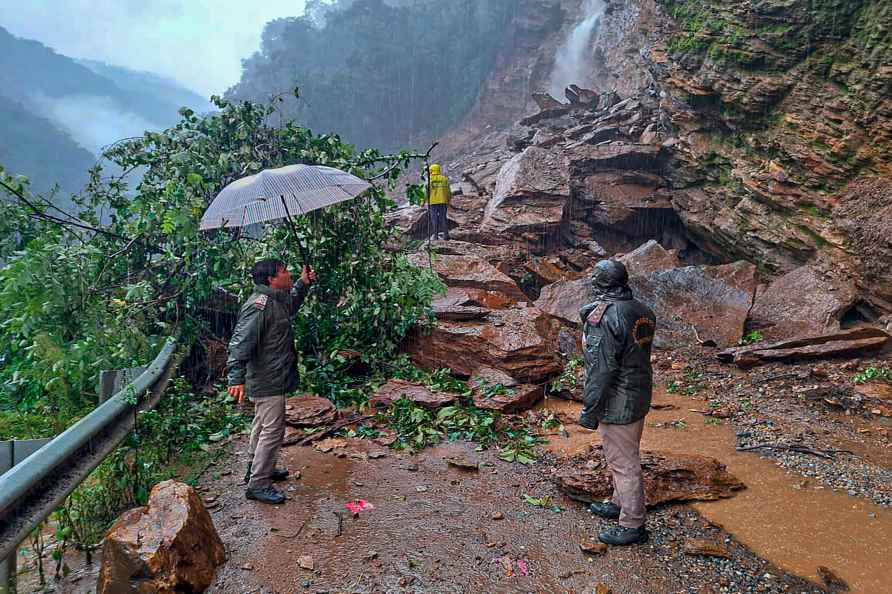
573	60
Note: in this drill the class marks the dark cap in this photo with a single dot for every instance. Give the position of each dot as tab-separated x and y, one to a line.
608	274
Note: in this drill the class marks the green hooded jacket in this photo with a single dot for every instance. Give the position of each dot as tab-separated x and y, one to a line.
262	355
618	334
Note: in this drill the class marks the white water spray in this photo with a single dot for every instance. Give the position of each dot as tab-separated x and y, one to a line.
573	61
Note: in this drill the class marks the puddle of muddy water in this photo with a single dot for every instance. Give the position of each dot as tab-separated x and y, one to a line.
796	528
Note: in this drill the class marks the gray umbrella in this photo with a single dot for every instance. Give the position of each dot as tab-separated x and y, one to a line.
275	194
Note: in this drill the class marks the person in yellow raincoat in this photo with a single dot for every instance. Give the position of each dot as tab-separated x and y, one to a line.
438	199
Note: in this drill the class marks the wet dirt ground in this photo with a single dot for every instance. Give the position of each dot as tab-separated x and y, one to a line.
791	522
436	528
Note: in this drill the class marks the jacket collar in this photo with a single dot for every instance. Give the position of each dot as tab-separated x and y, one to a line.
276	294
623	293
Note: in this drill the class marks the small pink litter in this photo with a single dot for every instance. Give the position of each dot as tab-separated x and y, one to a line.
522	566
359	505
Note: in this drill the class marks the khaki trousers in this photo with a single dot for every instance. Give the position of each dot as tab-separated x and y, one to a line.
621	448
267	433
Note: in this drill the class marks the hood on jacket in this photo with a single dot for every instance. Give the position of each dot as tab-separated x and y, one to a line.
610	280
435	169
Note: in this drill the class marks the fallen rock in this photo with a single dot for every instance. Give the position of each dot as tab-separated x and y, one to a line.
563	299
881	391
513	400
706	548
306	562
472	272
855	342
450	307
546	101
648	258
667	477
705	304
417	393
587	158
463	461
349	447
531	191
831	580
803	301
592	548
519	342
309	411
166	547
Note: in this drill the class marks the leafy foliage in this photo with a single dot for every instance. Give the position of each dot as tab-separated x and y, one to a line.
76	301
418	427
883	374
751	338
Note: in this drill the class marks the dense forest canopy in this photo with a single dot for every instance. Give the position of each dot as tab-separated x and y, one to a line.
379	73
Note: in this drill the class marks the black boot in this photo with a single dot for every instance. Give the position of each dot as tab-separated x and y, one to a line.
265	495
620	536
605	509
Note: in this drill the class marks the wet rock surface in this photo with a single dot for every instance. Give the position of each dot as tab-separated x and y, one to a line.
396	389
309	411
667	477
167	547
849	343
509	400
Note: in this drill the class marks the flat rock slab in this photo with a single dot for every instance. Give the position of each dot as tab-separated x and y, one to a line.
667	478
563	299
417	393
520	342
468	271
705	304
346	447
516	399
704	547
166	547
855	342
648	258
309	411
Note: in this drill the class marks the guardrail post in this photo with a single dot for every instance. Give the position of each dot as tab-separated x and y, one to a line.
11	454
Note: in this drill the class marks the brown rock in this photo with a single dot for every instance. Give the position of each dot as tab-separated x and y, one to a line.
417	393
167	547
309	411
471	272
648	258
855	342
519	342
463	461
706	304
831	580
875	391
531	191
563	299
801	302
667	477
706	547
592	548
546	101
618	155
306	562
517	398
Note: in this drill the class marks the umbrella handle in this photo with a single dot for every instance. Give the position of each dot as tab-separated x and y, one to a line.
303	251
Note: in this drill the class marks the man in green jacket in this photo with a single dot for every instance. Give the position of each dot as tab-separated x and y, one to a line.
618	333
263	364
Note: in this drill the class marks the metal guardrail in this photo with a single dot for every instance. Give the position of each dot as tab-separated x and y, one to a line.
30	492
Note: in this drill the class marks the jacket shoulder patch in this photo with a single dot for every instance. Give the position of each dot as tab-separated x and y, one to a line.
260	302
596	314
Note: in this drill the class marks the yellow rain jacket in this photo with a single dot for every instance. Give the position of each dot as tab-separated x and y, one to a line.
439	188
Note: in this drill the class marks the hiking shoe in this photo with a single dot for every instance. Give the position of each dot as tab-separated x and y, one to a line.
265	495
605	509
619	536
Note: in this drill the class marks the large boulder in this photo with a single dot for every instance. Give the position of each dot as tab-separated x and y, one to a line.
309	411
803	301
396	389
519	342
168	547
705	304
667	477
563	299
471	272
531	191
588	158
844	343
648	258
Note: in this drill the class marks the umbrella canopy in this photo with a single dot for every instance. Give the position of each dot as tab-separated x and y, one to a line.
275	194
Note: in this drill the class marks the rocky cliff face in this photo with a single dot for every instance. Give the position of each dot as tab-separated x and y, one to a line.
751	129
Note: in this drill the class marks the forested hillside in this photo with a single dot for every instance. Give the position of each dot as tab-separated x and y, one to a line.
379	73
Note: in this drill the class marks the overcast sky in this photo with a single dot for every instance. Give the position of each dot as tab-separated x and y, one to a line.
199	43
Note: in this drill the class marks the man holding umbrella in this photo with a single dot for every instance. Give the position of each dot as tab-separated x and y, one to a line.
263	364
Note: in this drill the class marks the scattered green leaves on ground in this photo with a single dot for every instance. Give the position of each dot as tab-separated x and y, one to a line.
545	502
873	374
